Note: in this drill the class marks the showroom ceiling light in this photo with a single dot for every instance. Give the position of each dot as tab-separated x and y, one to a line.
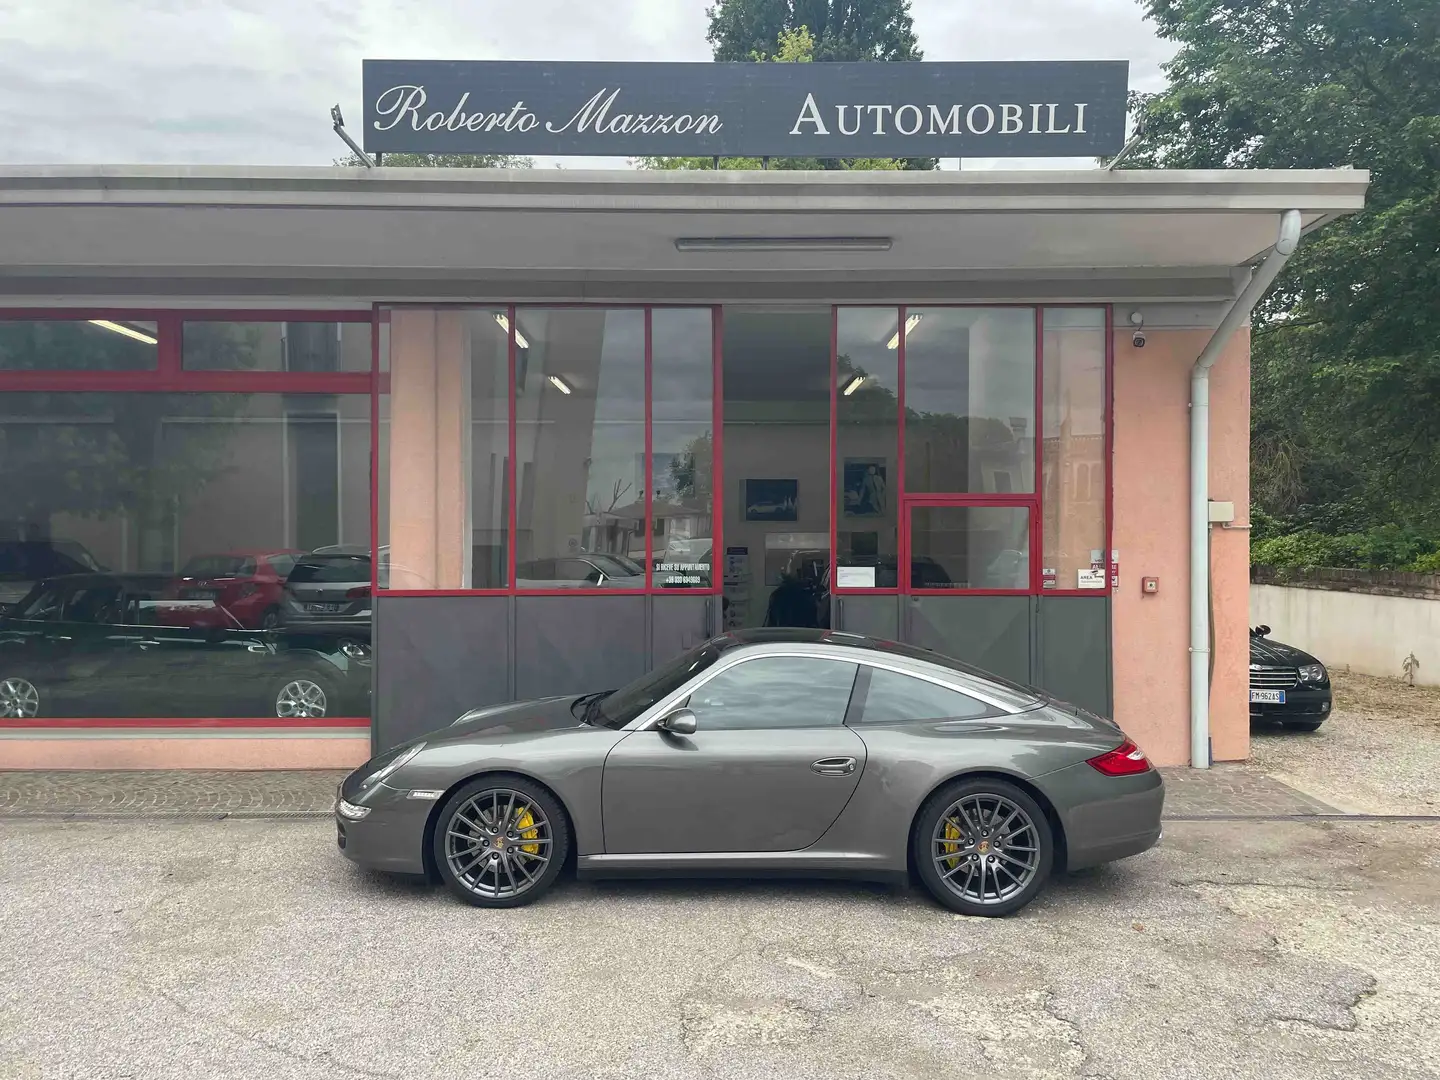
910	324
520	342
784	243
855	384
559	384
128	331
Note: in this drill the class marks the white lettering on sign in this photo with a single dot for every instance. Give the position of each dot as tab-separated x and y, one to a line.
810	114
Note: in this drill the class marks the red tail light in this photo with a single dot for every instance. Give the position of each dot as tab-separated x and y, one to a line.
358	594
1127	759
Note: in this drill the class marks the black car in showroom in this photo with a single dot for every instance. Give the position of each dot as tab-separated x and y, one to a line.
1287	685
131	645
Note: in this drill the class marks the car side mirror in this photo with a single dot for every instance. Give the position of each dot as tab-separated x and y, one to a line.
679	722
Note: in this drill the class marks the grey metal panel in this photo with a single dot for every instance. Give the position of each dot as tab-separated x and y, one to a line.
875	616
1074	652
576	644
679	623
435	658
991	632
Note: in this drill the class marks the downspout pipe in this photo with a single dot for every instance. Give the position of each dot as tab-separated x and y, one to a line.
1260	282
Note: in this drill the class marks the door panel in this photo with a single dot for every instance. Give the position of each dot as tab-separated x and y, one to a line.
991	632
730	791
874	616
1074	650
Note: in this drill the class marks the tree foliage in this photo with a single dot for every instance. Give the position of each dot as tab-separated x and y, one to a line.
444	161
842	29
1346	362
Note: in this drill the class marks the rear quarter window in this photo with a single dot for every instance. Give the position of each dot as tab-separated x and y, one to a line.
894	698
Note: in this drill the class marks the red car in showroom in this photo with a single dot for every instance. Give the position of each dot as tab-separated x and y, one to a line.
248	584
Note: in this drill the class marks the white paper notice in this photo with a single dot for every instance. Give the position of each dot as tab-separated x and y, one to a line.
855	577
1090	579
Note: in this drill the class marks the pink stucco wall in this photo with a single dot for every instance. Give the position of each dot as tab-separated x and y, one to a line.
1151	530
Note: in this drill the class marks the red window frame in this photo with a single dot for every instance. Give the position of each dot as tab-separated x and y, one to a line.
170	377
1031	501
381	385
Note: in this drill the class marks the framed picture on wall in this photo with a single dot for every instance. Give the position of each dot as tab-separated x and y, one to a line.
865	487
771	500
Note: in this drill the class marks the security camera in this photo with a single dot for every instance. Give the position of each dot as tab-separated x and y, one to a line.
1138	321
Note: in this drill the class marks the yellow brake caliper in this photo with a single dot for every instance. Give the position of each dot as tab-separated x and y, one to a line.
952	832
528	830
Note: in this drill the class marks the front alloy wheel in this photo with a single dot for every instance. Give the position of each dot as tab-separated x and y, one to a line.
501	841
19	700
301	698
983	847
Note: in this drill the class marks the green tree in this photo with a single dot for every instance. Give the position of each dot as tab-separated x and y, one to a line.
795	46
445	161
1346	350
843	29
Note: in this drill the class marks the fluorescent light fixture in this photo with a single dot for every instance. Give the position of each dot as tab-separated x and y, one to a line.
855	384
559	384
910	324
520	342
127	331
783	243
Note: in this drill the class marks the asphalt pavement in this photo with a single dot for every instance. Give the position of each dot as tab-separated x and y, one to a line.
162	949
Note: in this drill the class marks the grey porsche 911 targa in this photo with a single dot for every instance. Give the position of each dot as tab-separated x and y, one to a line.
783	752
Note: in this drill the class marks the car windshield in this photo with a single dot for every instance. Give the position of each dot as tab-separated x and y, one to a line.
330	569
623	705
219	566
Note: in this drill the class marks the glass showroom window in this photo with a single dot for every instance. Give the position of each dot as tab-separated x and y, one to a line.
867	444
970	401
580	448
79	345
444	450
974	548
682	437
184	555
302	346
1072	449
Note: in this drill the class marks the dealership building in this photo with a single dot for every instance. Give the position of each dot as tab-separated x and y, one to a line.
296	462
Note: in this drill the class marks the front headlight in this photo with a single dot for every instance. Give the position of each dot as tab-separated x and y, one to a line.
350	811
355	650
1314	673
387	768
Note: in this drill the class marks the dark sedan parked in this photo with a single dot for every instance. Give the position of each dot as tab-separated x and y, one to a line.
781	751
123	645
1287	685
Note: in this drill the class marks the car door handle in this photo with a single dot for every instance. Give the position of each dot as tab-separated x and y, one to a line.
834	766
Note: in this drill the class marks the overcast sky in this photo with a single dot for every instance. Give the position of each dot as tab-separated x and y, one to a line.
251	81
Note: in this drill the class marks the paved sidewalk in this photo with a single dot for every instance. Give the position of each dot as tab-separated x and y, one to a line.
1224	791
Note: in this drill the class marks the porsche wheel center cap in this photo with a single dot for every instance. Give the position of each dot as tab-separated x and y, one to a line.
983	847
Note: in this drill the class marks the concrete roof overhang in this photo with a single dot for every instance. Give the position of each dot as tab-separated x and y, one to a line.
342	236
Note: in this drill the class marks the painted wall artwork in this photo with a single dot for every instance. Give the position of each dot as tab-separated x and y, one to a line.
771	500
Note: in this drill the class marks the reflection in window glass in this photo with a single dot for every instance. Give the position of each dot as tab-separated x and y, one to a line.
867	443
970	400
580	442
970	547
1073	446
94	345
444	450
315	347
183	514
682	417
775	692
892	697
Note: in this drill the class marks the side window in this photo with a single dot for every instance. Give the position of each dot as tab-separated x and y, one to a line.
775	692
577	570
893	697
96	604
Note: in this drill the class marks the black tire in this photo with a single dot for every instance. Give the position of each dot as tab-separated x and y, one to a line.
989	804
488	868
21	698
293	696
271	619
1301	725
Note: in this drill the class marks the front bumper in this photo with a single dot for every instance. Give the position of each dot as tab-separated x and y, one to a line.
1300	704
391	837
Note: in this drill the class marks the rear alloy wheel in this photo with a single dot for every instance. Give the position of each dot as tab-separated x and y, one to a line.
19	699
302	697
983	847
500	841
